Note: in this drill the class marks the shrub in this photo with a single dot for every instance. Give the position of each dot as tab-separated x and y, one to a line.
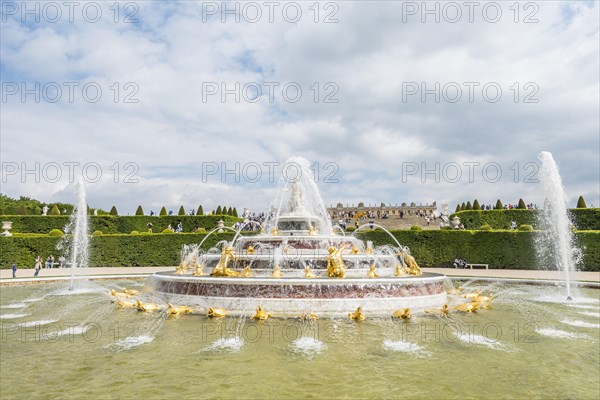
485	227
21	210
235	214
476	205
55	210
219	210
499	205
55	232
200	210
463	207
416	228
139	211
350	229
447	228
521	205
97	233
457	208
134	233
113	211
163	212
526	228
167	230
181	211
581	202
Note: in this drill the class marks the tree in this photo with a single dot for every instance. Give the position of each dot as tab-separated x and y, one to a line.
230	211
499	205
235	214
581	202
469	206
476	205
200	210
219	211
139	211
457	208
21	209
181	211
521	204
113	211
463	206
55	210
163	212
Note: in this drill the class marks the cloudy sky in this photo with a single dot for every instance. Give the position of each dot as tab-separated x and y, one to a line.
188	103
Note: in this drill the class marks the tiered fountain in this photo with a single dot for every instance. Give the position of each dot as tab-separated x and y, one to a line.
298	265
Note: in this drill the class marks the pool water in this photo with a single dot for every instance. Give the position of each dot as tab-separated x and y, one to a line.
531	344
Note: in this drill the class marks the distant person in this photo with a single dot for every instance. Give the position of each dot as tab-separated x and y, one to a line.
48	263
151	213
513	224
61	262
14	269
38	265
149	226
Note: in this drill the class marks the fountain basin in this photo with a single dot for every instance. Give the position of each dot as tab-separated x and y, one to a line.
293	296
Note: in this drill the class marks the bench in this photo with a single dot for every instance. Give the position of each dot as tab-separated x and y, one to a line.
486	266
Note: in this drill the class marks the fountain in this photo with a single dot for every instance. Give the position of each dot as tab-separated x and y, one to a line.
557	236
298	265
77	249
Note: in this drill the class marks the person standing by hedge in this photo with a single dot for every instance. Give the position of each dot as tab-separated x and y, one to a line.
38	265
14	269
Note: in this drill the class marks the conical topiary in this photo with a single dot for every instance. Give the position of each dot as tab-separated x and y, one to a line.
469	206
113	211
230	211
21	210
521	204
219	211
55	210
499	205
463	206
181	211
457	208
581	202
163	212
235	214
476	205
139	211
200	210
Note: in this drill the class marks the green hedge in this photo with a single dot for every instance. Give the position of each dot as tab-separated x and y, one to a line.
582	218
116	250
503	250
116	224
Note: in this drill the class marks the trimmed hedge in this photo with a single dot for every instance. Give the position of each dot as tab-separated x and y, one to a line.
116	224
502	250
115	250
583	218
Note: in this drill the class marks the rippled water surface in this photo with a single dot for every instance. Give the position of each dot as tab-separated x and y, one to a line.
531	344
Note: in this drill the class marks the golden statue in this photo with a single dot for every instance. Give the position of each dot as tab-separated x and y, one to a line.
335	263
131	292
402	314
434	311
275	231
198	271
124	304
372	271
467	307
250	250
277	272
176	311
308	273
309	317
216	312
369	250
181	269
221	268
146	307
399	270
484	299
261	314
114	293
413	267
472	295
354	250
246	273
311	231
286	249
357	315
261	231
